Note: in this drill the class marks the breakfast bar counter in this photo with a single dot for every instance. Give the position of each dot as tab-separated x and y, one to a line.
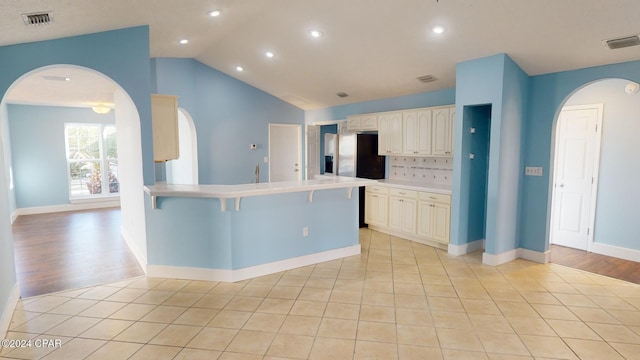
271	227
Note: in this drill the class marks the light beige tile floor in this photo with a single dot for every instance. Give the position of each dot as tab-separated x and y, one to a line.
397	300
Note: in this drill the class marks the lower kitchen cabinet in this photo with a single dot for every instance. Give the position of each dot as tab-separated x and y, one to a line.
434	220
415	215
376	207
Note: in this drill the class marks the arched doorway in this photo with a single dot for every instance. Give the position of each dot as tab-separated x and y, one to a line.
45	87
610	224
184	170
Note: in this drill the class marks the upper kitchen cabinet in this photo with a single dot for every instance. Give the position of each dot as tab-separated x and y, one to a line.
442	130
164	116
366	122
417	132
390	133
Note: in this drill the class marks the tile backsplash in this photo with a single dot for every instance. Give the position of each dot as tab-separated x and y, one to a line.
430	170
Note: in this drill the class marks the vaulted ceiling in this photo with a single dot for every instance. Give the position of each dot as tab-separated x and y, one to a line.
369	49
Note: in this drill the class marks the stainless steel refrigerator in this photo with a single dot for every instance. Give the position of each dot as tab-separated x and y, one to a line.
358	157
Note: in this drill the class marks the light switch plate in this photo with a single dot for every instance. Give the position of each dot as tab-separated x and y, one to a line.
533	171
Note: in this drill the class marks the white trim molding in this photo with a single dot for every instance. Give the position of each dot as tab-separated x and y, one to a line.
499	259
228	275
535	256
467	248
140	256
7	312
67	207
616	251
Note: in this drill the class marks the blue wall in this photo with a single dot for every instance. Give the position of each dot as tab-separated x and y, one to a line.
193	232
38	151
228	115
547	94
498	81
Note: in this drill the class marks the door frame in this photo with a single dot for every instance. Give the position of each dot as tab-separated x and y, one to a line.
299	146
595	173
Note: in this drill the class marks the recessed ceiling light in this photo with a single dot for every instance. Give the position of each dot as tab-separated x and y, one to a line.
438	29
215	13
269	54
184	41
315	33
239	68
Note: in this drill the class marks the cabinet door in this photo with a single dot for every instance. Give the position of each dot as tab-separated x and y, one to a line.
395	129
384	127
396	212
410	127
375	209
442	132
370	206
164	120
441	220
369	122
408	216
425	219
353	123
382	210
423	133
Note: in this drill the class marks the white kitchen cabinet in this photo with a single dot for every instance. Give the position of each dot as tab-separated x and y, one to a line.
366	122
417	127
376	207
442	130
434	217
390	133
164	118
402	210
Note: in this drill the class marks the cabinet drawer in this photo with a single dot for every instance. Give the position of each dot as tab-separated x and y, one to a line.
403	193
377	189
439	198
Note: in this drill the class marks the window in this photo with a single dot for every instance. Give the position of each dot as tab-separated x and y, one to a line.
90	149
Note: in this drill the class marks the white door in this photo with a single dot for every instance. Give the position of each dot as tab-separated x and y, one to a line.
577	156
285	152
313	151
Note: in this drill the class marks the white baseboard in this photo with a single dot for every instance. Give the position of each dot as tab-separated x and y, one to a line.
7	312
615	251
14	216
535	256
499	259
139	255
66	207
227	275
457	250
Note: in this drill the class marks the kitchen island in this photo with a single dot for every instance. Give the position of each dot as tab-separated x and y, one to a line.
236	232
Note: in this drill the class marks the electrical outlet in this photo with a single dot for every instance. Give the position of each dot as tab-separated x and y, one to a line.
305	231
533	171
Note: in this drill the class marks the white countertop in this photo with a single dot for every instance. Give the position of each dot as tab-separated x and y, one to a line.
243	190
417	186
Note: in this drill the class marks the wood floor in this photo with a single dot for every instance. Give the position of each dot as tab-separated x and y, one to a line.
596	263
69	250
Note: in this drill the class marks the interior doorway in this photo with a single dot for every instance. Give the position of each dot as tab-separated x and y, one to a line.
184	170
285	152
575	180
67	91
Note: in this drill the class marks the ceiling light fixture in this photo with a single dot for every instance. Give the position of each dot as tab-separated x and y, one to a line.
56	78
215	13
632	88
438	29
184	41
101	109
315	33
269	54
239	68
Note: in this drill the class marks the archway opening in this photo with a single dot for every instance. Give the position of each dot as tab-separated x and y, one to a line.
56	97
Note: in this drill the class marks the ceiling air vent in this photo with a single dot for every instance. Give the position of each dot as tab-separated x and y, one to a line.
427	78
342	94
623	42
37	19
